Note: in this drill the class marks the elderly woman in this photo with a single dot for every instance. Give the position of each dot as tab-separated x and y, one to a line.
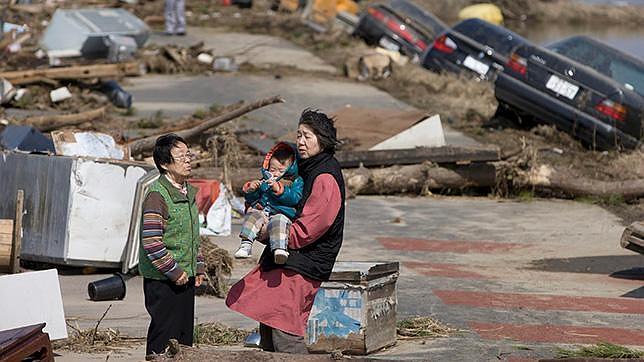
280	297
169	258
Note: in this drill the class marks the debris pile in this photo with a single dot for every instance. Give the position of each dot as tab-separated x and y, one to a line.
95	340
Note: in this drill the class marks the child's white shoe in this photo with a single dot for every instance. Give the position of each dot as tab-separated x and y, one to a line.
244	252
280	256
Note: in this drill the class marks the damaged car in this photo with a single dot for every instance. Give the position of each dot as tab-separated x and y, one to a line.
580	85
399	25
473	46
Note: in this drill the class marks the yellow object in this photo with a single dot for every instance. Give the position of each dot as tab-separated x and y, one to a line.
488	12
323	11
348	6
289	5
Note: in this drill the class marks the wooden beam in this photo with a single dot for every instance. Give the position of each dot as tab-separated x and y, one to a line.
75	72
16	247
52	122
146	144
445	154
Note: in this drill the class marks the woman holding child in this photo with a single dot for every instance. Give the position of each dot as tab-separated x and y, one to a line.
280	291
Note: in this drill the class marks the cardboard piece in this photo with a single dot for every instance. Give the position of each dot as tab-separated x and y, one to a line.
34	297
426	133
88	144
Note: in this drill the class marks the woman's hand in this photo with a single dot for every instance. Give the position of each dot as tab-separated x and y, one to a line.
183	279
199	279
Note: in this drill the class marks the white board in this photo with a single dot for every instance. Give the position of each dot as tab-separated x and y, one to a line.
426	133
31	298
100	210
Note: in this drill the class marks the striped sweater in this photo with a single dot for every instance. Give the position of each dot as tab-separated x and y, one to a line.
155	216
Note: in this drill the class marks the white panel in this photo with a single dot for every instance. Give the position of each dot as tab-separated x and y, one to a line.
31	298
102	197
426	133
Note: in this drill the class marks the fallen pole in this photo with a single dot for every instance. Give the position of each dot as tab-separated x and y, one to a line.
75	72
445	154
146	144
51	123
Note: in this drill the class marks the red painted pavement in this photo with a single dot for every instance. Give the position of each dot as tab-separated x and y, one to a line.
447	246
541	302
558	333
442	270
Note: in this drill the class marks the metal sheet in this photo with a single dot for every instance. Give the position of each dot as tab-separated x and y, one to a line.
131	255
101	198
86	31
45	180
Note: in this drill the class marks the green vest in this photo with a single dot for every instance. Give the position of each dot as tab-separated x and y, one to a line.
181	234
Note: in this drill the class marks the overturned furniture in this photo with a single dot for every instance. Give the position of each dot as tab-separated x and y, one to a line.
94	33
77	209
633	237
355	311
26	343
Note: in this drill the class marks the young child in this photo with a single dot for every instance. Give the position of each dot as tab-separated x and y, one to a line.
277	193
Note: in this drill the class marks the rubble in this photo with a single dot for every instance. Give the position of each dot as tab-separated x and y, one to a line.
94	33
60	94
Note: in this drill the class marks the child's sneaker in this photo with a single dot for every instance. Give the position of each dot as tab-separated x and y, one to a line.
280	256
244	251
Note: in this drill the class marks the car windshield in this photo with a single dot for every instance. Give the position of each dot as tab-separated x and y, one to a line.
605	60
497	38
419	16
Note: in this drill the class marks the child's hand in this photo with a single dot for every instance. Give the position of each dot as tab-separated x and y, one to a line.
275	186
253	185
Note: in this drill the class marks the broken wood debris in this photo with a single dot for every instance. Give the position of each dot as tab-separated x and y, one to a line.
143	145
52	122
74	72
445	154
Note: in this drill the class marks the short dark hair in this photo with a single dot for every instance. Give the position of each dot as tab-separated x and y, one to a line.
162	147
323	127
283	155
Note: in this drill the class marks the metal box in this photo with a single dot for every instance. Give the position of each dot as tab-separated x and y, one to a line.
86	32
355	311
77	210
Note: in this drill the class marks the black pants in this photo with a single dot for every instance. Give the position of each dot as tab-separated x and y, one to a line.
172	309
274	340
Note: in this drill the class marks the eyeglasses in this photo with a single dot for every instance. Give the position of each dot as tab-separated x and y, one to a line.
184	158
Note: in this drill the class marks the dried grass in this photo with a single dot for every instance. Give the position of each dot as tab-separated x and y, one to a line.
217	334
600	350
95	340
422	327
219	265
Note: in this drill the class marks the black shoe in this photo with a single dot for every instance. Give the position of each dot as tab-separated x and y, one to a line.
183	33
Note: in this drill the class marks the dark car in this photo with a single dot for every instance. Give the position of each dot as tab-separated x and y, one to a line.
399	25
593	92
472	46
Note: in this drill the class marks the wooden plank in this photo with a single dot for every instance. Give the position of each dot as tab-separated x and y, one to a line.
446	154
75	72
6	226
14	266
6	239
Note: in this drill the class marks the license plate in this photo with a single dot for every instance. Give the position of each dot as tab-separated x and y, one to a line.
388	44
562	87
475	65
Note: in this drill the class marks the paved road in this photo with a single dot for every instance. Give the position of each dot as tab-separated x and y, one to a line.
509	275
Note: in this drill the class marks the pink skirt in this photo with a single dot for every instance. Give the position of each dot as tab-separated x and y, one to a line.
279	298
